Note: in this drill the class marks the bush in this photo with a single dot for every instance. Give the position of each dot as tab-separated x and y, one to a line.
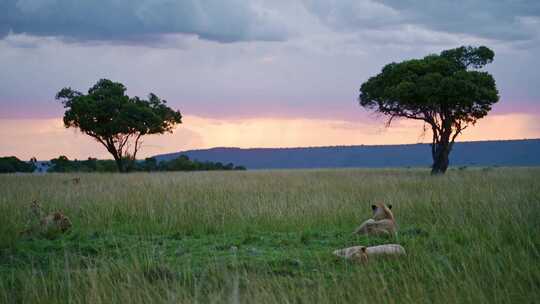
182	163
12	164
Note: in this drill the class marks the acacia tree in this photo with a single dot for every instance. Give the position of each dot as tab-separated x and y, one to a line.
446	91
115	120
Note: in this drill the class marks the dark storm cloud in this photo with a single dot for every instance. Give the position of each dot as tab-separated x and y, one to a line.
505	20
132	20
144	21
494	19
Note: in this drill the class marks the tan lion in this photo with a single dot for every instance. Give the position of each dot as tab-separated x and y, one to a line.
362	253
381	224
49	225
356	253
54	223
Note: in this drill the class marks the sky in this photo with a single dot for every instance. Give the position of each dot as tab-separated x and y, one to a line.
276	73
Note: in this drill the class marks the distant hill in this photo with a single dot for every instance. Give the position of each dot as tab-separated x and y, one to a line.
480	153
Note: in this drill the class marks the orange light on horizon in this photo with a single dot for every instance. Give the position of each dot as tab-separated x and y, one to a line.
47	138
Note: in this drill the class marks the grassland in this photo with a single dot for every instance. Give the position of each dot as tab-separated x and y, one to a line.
472	236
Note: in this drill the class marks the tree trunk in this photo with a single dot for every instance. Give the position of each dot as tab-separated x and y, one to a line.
440	155
109	144
119	164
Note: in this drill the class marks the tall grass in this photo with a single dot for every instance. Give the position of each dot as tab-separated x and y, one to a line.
267	236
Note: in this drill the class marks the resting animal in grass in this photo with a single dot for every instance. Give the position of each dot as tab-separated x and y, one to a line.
381	224
55	222
50	224
362	253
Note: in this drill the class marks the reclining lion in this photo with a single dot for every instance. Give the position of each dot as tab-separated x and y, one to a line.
363	254
381	224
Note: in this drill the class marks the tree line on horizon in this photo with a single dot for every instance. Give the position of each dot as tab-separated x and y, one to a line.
62	164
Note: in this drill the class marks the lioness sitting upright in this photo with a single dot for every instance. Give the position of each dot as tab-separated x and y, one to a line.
381	224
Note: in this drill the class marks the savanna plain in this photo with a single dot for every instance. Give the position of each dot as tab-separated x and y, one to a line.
471	236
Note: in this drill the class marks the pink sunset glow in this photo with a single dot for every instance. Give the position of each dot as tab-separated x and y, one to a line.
47	138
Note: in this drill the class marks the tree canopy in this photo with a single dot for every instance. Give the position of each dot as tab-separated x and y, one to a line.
445	91
116	120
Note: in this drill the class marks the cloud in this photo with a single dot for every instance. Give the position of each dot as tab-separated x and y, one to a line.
141	20
316	76
500	20
487	19
149	21
353	14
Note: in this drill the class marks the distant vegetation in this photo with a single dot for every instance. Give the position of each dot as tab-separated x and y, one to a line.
12	164
182	163
64	165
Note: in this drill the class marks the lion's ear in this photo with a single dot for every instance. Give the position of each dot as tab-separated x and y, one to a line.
389	206
373	207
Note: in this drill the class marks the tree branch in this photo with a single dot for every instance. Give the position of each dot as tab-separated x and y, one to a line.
459	130
137	145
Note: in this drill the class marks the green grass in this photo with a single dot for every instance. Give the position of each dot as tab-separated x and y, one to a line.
267	237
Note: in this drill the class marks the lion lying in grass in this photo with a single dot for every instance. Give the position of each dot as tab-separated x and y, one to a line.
362	253
381	224
49	225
